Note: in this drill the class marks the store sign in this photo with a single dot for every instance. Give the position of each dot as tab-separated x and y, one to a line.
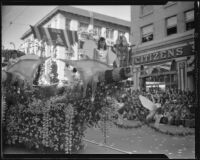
163	55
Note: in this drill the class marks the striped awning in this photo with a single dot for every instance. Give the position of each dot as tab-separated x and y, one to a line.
55	36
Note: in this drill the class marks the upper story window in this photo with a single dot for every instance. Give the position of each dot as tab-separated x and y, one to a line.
97	30
67	23
109	33
83	27
146	9
147	33
189	20
171	25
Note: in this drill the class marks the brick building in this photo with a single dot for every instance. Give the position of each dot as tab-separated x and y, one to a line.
164	39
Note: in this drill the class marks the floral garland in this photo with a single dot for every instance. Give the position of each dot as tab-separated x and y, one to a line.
41	123
144	122
128	126
45	133
161	131
3	106
69	114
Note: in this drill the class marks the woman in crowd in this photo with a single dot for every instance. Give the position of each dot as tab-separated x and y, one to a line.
101	52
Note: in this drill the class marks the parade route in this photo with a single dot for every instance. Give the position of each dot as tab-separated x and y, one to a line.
143	140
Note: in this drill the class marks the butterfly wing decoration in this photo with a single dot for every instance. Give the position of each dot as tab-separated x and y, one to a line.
26	67
147	103
29	56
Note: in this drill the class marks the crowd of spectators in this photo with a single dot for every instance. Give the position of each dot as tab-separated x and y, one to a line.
176	106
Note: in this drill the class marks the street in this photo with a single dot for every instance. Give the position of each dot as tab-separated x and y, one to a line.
143	140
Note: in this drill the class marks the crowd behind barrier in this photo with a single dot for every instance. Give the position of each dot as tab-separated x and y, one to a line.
177	107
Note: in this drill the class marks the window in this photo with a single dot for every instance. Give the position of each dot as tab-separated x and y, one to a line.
121	33
171	25
146	9
109	33
189	20
83	27
147	33
97	31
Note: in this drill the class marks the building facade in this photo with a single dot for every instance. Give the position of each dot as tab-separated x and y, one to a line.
83	21
164	42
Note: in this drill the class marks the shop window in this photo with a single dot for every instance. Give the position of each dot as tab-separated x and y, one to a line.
121	33
146	10
147	33
171	25
97	31
173	65
83	27
189	20
109	33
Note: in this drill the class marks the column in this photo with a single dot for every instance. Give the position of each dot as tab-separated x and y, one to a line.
182	76
136	77
103	32
178	75
74	27
115	36
127	36
186	77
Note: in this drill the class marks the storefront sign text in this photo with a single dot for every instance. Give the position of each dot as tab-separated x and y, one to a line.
165	54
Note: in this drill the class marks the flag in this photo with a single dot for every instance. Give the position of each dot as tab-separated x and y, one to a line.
55	36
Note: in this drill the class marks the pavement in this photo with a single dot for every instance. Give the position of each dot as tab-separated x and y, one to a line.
145	140
142	140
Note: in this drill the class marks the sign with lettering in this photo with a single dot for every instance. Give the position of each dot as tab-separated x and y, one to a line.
164	55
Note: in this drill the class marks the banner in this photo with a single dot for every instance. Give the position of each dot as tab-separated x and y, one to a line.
54	36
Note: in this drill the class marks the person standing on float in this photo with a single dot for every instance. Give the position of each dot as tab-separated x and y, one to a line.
121	51
101	52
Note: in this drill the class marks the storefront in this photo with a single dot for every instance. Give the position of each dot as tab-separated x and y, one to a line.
163	69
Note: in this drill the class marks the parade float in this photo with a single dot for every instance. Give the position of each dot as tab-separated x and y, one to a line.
48	117
52	118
